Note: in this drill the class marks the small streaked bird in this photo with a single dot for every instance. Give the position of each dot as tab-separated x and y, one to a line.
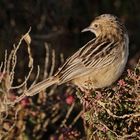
99	63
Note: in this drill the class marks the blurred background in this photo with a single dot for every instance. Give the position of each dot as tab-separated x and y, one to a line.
59	23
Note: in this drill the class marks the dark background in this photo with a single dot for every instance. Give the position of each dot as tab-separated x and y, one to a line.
59	23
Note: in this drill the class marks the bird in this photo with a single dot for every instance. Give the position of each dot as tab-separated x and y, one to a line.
99	63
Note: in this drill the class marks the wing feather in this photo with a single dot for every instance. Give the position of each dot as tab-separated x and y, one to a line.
95	54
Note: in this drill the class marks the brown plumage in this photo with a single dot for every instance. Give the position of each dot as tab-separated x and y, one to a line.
97	64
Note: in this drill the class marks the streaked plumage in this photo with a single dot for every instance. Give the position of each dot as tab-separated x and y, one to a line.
97	64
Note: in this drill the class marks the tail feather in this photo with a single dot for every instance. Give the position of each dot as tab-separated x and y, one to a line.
42	86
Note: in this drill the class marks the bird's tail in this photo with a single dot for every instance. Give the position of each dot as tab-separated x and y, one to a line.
42	86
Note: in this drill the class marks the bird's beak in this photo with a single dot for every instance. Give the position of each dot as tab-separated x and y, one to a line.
87	29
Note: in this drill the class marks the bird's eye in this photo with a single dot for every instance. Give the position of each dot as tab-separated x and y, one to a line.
96	25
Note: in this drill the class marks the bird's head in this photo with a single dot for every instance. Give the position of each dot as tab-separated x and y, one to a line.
106	25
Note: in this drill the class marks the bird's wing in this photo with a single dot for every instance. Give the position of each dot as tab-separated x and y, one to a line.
94	55
102	55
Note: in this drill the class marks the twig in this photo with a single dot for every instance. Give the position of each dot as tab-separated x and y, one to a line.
76	118
67	115
25	81
53	63
46	61
1	65
115	116
36	78
5	62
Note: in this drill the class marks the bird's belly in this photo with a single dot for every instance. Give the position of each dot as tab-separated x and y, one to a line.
100	78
